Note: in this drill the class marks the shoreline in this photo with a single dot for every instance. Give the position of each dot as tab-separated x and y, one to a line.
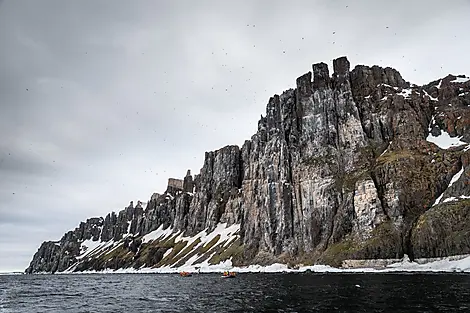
452	264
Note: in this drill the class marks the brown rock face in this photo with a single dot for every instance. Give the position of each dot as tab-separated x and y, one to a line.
340	167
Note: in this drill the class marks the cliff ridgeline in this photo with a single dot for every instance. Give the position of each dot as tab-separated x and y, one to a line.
357	165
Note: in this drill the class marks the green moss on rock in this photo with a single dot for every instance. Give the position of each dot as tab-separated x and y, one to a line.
233	249
396	155
181	257
210	244
167	260
442	231
336	253
384	242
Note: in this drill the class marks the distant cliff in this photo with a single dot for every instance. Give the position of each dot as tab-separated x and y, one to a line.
357	165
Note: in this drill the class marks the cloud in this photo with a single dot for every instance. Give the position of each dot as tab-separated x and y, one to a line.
105	101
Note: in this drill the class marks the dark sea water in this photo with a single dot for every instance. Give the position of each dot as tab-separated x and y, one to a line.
305	292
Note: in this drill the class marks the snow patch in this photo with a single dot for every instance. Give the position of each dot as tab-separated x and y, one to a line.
89	247
455	178
431	97
438	199
157	234
385	151
406	93
386	85
449	199
460	80
444	141
227	234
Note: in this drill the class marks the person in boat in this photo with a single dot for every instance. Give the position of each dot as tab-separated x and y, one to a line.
229	274
185	274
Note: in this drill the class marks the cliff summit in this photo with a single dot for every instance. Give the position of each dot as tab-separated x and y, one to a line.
360	164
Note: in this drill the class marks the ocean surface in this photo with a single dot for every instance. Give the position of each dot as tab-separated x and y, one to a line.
299	292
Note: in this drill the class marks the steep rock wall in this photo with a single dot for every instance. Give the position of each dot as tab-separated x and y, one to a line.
341	167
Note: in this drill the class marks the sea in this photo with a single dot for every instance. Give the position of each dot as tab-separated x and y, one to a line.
259	292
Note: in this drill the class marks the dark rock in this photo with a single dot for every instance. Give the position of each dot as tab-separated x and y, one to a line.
188	184
321	75
341	66
339	168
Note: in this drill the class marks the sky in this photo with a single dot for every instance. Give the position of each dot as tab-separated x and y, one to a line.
102	101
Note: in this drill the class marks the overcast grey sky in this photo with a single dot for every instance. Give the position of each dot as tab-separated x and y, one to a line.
102	101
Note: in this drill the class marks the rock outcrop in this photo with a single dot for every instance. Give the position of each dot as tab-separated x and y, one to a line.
359	164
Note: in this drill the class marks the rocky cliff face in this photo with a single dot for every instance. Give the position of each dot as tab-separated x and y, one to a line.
357	164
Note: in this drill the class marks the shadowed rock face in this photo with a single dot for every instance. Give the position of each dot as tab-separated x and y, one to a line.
339	168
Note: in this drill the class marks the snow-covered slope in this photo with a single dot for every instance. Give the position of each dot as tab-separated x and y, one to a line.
176	251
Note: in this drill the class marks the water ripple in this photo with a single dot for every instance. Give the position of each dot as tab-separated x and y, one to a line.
246	293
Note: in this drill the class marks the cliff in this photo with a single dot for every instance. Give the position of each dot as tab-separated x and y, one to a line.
357	165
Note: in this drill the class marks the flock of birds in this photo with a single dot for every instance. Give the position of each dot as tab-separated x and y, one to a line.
248	77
